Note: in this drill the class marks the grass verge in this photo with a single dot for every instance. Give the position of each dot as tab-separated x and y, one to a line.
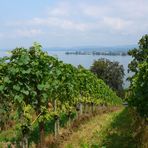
119	129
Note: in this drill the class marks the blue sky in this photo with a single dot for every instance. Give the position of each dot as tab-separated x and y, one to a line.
62	23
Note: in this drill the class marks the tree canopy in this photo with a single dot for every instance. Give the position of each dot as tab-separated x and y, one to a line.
111	72
139	80
139	54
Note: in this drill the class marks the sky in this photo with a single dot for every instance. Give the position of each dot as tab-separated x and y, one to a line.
69	23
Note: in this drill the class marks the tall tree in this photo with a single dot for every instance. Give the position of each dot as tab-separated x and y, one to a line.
139	80
139	55
111	72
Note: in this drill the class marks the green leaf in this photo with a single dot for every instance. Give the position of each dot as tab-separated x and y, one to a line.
40	86
1	87
16	87
26	71
7	80
18	98
45	96
25	92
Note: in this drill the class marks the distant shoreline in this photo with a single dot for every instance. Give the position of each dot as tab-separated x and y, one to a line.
109	53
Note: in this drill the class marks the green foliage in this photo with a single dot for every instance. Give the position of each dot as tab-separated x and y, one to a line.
118	132
30	79
140	90
139	54
111	72
139	81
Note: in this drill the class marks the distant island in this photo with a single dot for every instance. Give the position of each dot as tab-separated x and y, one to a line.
108	53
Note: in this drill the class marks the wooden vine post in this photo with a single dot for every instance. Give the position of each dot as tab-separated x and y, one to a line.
56	117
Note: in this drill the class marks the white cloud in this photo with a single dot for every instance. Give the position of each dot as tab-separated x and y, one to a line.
28	32
115	15
85	19
132	9
117	23
94	11
57	22
61	9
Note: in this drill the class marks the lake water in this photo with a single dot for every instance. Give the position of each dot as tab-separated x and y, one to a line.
87	60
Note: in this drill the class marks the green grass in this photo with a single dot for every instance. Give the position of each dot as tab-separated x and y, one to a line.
112	130
83	137
119	133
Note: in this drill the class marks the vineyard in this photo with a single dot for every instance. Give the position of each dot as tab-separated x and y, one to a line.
39	94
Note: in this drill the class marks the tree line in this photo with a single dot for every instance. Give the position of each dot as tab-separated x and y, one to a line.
138	90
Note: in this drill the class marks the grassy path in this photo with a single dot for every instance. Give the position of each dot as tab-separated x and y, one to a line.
109	130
